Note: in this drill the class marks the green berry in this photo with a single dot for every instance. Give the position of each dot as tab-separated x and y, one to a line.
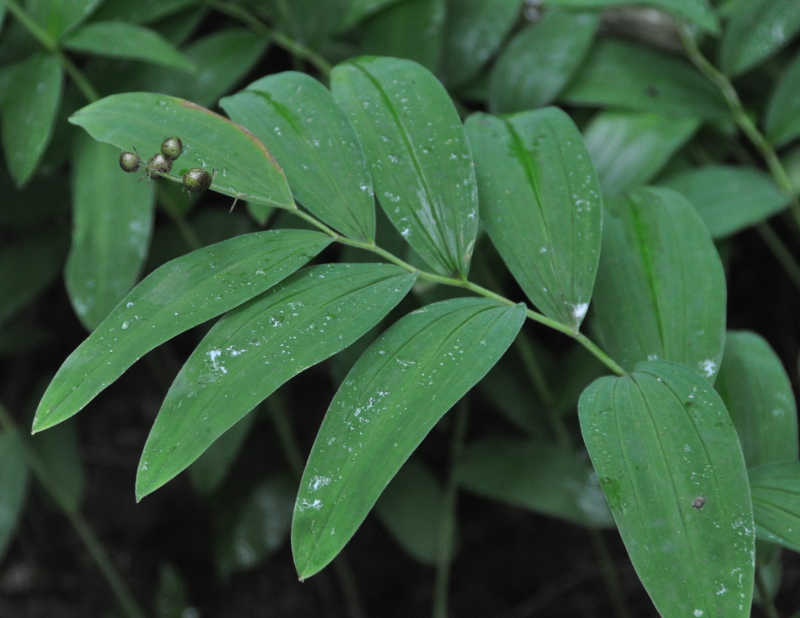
197	179
129	162
172	147
158	163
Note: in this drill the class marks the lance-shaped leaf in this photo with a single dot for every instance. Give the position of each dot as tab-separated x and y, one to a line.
177	296
142	120
118	39
257	347
111	227
418	154
541	206
754	386
13	485
29	114
536	475
390	400
757	30
670	464
775	489
660	292
729	198
629	75
298	120
630	148
782	120
540	60
699	12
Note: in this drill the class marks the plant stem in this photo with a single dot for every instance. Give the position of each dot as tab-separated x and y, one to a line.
125	599
741	118
444	548
766	601
781	253
294	47
51	45
609	574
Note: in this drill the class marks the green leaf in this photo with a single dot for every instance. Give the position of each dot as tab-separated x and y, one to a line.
141	11
59	451
257	347
535	475
29	115
357	10
660	291
699	12
412	29
211	468
396	392
756	390
418	153
757	30
630	75
474	29
111	227
143	120
540	60
13	485
181	294
775	489
311	22
60	16
669	462
411	508
258	527
541	206
630	148
782	120
729	198
223	58
27	268
120	40
297	118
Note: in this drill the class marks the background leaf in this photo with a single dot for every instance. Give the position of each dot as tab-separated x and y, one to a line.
111	228
13	485
540	60
211	468
541	206
412	508
522	472
660	291
59	16
474	29
418	154
699	12
60	453
775	489
782	120
297	118
411	29
629	75
729	198
630	148
683	518
222	59
756	390
29	115
257	347
757	30
181	294
210	141
393	396
122	40
27	267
